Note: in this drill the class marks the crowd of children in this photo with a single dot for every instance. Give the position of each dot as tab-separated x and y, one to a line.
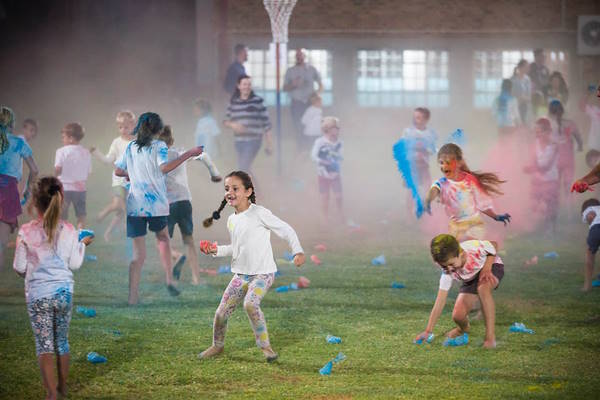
150	186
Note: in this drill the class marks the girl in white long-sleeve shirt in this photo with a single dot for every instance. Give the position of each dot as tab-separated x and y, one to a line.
252	261
46	252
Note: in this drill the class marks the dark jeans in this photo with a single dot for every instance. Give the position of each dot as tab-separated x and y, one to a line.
246	153
298	108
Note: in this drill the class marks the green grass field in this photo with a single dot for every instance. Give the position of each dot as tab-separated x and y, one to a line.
155	355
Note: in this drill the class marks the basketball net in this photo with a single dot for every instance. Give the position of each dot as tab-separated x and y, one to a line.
279	13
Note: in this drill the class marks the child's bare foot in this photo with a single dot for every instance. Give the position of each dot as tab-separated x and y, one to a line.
454	332
586	288
62	392
489	344
212	351
270	355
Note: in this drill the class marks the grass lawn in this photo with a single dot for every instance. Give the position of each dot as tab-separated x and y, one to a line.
153	353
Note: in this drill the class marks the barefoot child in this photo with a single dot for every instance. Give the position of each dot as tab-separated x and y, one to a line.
48	249
13	150
72	166
252	262
125	125
145	163
465	195
180	205
480	270
590	212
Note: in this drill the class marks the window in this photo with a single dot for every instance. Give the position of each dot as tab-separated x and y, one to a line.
493	66
407	78
261	67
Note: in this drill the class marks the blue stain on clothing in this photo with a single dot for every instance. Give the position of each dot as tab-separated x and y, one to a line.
402	149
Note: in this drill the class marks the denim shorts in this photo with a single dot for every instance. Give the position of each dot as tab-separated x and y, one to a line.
593	239
78	200
136	226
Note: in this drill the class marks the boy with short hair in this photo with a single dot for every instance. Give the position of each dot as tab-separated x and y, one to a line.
590	213
327	154
30	130
424	146
72	166
477	265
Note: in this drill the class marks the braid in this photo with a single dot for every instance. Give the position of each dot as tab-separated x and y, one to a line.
215	215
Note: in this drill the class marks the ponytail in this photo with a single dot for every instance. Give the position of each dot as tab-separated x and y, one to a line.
215	215
47	198
555	108
52	215
148	126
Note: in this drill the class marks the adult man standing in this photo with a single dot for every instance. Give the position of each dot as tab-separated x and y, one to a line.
236	69
538	72
299	82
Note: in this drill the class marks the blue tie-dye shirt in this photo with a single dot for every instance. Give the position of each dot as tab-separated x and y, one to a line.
147	195
11	161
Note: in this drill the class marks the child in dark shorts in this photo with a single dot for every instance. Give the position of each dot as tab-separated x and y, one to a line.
476	264
590	213
180	206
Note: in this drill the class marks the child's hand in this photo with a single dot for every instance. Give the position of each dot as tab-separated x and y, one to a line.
196	151
505	218
427	208
421	337
580	187
299	259
216	178
207	247
87	240
486	276
236	127
92	149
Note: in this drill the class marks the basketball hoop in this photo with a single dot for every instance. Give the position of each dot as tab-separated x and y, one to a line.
279	13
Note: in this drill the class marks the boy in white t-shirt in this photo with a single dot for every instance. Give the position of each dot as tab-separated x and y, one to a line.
590	213
180	204
72	166
476	264
312	120
125	124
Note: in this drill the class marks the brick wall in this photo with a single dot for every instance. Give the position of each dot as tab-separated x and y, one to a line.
356	16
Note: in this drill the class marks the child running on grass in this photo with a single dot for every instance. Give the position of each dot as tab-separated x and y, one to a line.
180	205
252	262
48	248
125	125
13	150
72	166
465	195
590	213
145	163
476	265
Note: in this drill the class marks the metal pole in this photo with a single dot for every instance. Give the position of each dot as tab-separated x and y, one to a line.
278	109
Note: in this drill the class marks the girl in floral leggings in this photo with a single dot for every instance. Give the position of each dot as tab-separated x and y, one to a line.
47	250
252	260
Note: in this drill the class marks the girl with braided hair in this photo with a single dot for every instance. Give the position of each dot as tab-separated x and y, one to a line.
252	262
13	150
